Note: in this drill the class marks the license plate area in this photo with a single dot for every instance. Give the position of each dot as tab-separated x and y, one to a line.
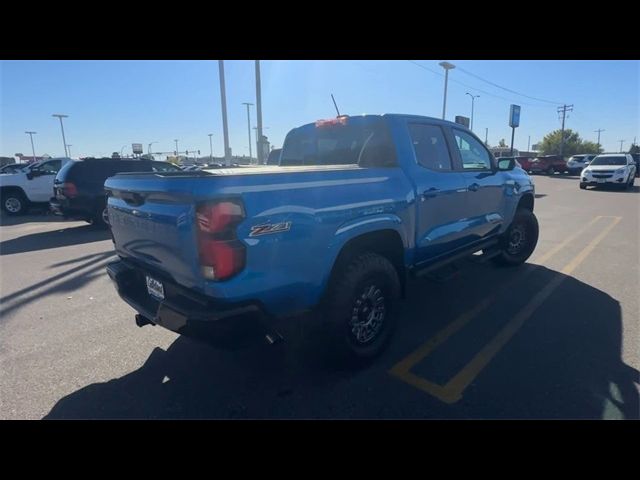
155	288
601	180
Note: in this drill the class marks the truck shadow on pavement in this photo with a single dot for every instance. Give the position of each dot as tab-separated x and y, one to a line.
63	237
564	362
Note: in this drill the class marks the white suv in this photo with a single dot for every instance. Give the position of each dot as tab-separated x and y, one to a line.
576	163
609	169
33	184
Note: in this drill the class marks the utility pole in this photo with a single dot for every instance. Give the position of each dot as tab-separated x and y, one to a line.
249	105
564	109
473	97
223	100
259	112
598	131
64	142
177	152
447	66
69	147
31	134
210	148
528	143
621	142
486	136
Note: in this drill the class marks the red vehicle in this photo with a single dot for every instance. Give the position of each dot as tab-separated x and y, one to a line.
548	164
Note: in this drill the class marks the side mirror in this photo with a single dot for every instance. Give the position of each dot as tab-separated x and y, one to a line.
506	164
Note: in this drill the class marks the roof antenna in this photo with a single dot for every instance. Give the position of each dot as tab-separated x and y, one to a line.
335	104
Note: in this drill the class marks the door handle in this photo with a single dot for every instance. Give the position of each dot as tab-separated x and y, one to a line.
474	187
430	192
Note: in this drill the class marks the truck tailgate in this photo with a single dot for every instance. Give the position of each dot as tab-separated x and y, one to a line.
151	217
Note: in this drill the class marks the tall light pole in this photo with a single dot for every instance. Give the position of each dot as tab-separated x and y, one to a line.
598	131
259	112
447	66
621	142
149	147
31	134
69	147
249	127
473	97
177	152
223	101
64	142
210	147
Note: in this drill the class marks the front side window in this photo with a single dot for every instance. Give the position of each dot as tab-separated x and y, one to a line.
430	147
472	153
50	168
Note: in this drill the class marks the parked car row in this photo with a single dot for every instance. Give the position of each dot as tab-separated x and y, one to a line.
77	186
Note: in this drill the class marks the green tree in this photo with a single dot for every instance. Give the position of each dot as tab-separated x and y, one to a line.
502	143
573	144
634	148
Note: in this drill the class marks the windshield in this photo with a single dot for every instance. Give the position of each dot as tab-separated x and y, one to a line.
609	161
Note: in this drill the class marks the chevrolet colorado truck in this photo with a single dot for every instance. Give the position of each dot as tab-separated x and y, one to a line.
31	185
356	206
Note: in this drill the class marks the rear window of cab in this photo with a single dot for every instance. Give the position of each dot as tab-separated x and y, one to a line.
363	141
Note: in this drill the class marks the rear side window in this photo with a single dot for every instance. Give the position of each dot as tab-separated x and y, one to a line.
97	171
363	141
430	147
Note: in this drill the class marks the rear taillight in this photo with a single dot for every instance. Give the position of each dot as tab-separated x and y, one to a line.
69	190
222	255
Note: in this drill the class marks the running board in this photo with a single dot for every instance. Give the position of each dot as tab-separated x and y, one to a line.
437	264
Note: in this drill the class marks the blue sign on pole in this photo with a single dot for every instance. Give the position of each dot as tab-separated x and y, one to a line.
514	116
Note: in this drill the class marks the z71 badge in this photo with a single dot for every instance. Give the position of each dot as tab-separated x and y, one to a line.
268	228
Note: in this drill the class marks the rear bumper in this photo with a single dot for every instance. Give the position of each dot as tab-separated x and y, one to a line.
182	311
68	209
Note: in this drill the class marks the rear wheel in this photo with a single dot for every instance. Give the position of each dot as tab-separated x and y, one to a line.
101	218
520	239
550	171
358	307
14	202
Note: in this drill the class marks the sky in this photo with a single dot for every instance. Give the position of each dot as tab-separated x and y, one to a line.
112	104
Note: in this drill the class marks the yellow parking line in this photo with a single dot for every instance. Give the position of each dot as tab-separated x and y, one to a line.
452	391
566	241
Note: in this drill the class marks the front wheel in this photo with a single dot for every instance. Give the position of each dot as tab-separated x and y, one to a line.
14	203
520	239
550	171
583	186
358	307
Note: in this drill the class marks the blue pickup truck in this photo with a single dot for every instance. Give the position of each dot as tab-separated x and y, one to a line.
356	206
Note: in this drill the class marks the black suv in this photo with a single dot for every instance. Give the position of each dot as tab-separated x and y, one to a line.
79	186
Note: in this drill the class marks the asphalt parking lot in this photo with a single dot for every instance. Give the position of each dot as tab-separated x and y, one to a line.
556	338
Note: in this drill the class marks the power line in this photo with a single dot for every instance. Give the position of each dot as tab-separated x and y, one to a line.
474	88
508	89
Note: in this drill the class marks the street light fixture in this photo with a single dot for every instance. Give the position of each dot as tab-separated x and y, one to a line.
473	97
249	127
447	66
31	134
64	142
